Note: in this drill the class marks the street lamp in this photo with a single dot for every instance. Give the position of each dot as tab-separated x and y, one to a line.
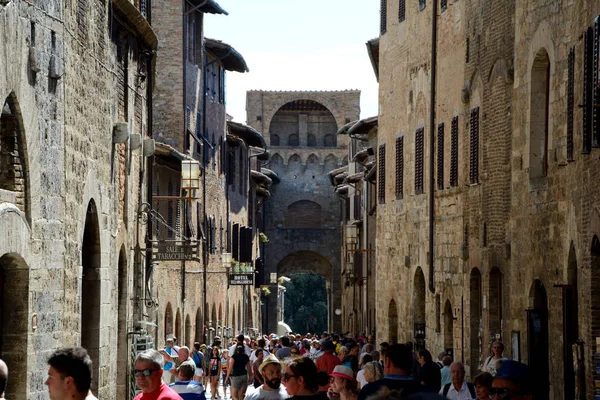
190	174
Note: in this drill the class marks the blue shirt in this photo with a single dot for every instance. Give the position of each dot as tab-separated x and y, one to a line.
191	390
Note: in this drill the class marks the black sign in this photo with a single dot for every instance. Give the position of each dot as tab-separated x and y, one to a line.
241	279
174	253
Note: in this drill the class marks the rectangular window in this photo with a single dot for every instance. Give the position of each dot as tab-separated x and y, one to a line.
401	10
422	4
400	167
381	174
474	147
440	157
213	87
383	18
595	89
192	41
419	148
587	90
454	153
570	103
221	85
443	5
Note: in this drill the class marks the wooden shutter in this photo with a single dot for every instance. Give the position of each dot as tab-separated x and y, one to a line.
440	157
383	17
454	153
570	103
235	242
595	89
587	90
400	167
419	148
444	5
381	174
474	147
401	10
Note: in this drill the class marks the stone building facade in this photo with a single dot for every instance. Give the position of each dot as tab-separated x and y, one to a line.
487	217
302	217
74	119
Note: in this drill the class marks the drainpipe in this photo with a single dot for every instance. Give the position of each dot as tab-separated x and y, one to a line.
431	142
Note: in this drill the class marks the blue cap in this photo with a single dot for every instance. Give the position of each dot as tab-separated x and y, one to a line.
516	372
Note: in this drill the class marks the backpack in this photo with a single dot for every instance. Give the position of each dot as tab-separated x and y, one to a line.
469	386
197	356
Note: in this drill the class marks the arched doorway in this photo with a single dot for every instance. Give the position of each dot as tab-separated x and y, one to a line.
448	329
393	322
213	316
595	312
14	320
90	290
495	305
419	309
475	311
537	333
188	331
571	331
178	327
220	320
233	321
122	291
168	321
199	326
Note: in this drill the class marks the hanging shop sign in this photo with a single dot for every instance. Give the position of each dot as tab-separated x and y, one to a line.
174	253
241	279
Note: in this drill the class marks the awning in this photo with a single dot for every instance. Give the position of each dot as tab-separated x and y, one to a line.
338	179
363	126
260	178
138	22
271	174
336	172
344	129
354	178
342	189
262	192
248	134
373	50
211	7
165	150
227	55
361	156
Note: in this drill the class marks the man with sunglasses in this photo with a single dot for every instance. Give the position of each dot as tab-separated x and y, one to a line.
512	381
148	376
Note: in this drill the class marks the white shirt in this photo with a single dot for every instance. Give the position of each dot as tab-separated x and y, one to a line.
253	356
464	393
490	365
262	394
360	377
247	350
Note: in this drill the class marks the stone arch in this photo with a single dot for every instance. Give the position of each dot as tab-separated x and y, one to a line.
14	320
220	321
539	108
188	331
330	162
275	140
475	314
275	160
305	261
495	304
293	140
329	140
169	320
537	332
303	214
178	326
448	327
213	316
419	320
14	167
122	300
393	322
311	140
294	159
498	70
199	326
570	320
312	159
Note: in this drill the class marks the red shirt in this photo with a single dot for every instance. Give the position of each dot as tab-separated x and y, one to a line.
164	392
327	363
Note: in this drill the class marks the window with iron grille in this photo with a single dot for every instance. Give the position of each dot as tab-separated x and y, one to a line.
588	53
383	18
454	153
401	10
419	148
467	55
422	4
381	174
474	147
440	158
400	167
595	89
570	103
443	5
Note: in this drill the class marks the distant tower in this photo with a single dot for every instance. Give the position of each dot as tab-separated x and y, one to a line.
302	217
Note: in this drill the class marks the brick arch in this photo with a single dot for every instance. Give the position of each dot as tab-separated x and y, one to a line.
304	214
498	70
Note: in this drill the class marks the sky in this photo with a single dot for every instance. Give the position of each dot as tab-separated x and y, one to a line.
298	45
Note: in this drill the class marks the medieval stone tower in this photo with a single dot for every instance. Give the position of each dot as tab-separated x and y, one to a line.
302	217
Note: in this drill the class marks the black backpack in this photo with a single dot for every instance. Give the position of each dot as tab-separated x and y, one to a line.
469	385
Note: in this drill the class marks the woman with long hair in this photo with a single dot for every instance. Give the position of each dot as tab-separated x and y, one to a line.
214	371
302	380
343	385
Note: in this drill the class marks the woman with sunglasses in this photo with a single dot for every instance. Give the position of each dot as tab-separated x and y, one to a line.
302	380
294	351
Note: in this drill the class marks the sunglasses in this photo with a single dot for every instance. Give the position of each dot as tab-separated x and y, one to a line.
144	372
502	393
293	352
287	377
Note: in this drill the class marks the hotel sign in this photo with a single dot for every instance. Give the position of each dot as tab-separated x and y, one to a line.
241	279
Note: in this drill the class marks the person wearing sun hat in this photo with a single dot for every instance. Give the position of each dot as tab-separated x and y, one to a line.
343	384
327	362
271	389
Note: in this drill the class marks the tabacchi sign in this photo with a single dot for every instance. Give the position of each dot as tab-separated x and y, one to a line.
174	253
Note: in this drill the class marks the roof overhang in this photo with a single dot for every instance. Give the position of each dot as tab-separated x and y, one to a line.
210	6
248	134
355	178
261	179
137	21
227	55
344	129
334	173
364	126
373	50
271	174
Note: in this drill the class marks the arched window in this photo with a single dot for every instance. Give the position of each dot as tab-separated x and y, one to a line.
275	161
274	140
329	141
393	322
303	214
293	140
538	118
311	140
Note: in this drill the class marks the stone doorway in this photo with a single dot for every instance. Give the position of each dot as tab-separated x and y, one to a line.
122	347
475	311
537	332
419	309
393	322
